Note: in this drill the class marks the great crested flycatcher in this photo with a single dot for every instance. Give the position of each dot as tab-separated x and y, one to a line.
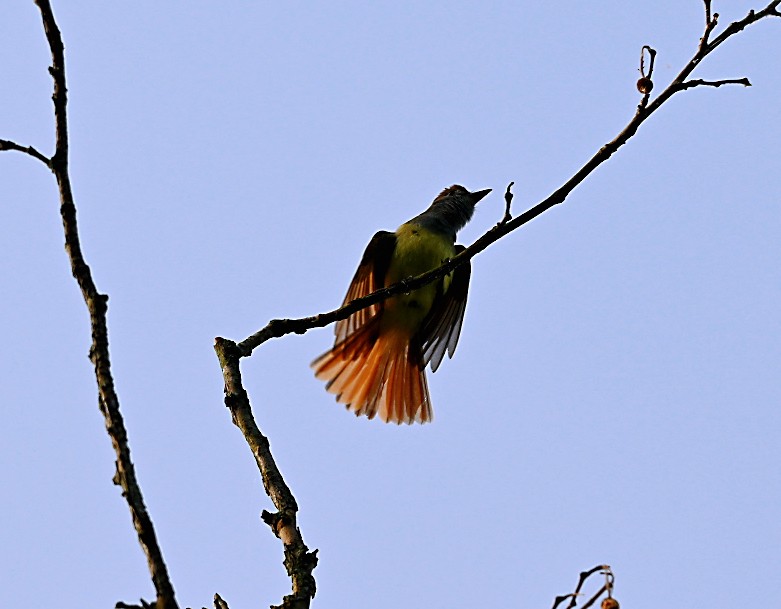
377	364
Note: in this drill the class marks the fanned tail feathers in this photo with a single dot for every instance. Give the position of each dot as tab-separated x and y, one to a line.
374	372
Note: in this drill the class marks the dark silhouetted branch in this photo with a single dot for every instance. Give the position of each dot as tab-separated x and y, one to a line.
9	145
277	328
143	605
508	201
97	305
299	561
698	82
584	575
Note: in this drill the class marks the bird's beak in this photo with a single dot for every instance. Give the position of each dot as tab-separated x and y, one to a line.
476	196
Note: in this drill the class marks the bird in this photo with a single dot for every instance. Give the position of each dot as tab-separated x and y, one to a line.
376	366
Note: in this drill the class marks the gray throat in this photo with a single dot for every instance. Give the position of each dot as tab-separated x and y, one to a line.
446	217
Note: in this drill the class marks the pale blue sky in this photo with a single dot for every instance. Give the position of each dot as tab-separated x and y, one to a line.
615	395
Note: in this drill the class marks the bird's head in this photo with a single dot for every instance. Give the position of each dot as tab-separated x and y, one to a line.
454	207
458	192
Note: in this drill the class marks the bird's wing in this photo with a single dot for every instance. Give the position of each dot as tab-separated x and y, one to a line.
442	326
368	278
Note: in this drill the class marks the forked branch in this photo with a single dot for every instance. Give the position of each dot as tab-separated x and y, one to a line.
301	563
97	305
607	589
277	328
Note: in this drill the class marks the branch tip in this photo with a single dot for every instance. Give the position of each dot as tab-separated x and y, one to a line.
29	150
645	84
651	59
698	82
508	200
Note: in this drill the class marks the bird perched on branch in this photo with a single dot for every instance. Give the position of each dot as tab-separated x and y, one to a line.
377	364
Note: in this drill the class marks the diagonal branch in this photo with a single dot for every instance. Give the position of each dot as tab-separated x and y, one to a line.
277	328
97	305
298	560
771	10
707	46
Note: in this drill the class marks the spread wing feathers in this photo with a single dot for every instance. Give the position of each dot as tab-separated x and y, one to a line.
442	326
368	278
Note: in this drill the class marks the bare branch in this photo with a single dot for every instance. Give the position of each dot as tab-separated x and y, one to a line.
584	575
711	21
590	602
229	353
9	145
508	201
689	84
280	327
143	605
299	561
651	61
97	305
706	47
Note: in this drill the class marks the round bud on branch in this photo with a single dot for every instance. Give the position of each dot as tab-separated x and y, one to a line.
645	85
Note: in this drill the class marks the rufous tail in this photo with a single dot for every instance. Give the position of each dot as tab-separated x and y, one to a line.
373	372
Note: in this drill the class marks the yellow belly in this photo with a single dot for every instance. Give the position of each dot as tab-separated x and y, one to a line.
417	250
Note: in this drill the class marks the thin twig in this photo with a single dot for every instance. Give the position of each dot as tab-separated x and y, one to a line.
651	61
9	145
771	10
597	595
711	21
584	575
508	201
698	82
97	305
143	605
